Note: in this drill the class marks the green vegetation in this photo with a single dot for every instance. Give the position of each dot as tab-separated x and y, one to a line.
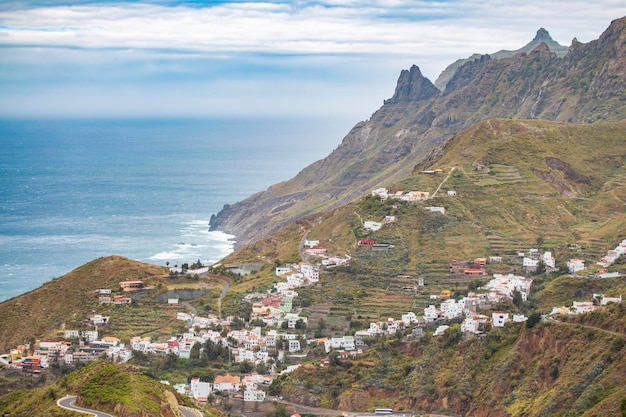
117	389
503	371
68	300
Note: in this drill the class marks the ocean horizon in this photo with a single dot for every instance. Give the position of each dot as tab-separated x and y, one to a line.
75	190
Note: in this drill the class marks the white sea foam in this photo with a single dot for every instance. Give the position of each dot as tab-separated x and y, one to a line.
166	256
197	243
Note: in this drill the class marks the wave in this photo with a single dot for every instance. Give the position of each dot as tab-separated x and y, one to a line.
199	244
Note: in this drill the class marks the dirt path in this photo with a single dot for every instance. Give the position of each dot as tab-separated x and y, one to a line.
443	182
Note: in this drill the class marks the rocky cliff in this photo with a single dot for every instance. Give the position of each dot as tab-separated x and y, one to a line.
586	85
542	36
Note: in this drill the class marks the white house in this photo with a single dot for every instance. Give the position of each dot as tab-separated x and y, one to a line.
415	196
294	346
184	317
311	243
441	210
381	192
345	343
282	270
99	319
72	334
409	317
310	272
253	395
519	318
200	390
575	265
499	319
226	383
450	309
373	226
605	300
441	330
470	325
140	344
582	307
548	260
430	313
530	263
89	335
295	280
507	284
244	355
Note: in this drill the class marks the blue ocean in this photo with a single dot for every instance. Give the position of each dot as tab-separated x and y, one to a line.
75	190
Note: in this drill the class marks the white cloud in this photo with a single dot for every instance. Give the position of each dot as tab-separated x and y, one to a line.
155	46
377	27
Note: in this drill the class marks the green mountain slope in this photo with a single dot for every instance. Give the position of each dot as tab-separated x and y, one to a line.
586	85
117	389
515	180
555	186
67	301
557	369
519	184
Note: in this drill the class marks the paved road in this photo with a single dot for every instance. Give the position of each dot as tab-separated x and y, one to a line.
190	412
68	403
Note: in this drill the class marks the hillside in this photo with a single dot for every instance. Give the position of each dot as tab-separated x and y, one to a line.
556	369
549	185
517	184
67	301
586	85
114	388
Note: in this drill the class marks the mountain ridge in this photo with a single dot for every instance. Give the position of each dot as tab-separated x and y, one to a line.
542	36
586	85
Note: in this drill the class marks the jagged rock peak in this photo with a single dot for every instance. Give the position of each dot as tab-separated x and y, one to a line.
616	31
413	86
542	35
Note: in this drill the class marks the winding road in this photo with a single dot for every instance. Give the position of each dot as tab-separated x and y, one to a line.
68	404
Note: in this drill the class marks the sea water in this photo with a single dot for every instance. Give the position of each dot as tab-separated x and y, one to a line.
75	190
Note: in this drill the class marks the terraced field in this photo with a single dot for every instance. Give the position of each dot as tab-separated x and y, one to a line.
147	320
498	175
500	244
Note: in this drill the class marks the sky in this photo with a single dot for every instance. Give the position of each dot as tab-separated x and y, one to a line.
168	58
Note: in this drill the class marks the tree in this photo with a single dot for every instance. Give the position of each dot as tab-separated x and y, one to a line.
540	241
517	298
170	361
453	335
533	319
261	368
194	353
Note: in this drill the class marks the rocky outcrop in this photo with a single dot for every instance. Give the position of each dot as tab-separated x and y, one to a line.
413	87
542	36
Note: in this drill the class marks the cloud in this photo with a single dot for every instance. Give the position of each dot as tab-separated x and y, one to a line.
228	47
300	28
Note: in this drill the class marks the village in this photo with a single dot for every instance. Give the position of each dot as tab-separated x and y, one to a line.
275	331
